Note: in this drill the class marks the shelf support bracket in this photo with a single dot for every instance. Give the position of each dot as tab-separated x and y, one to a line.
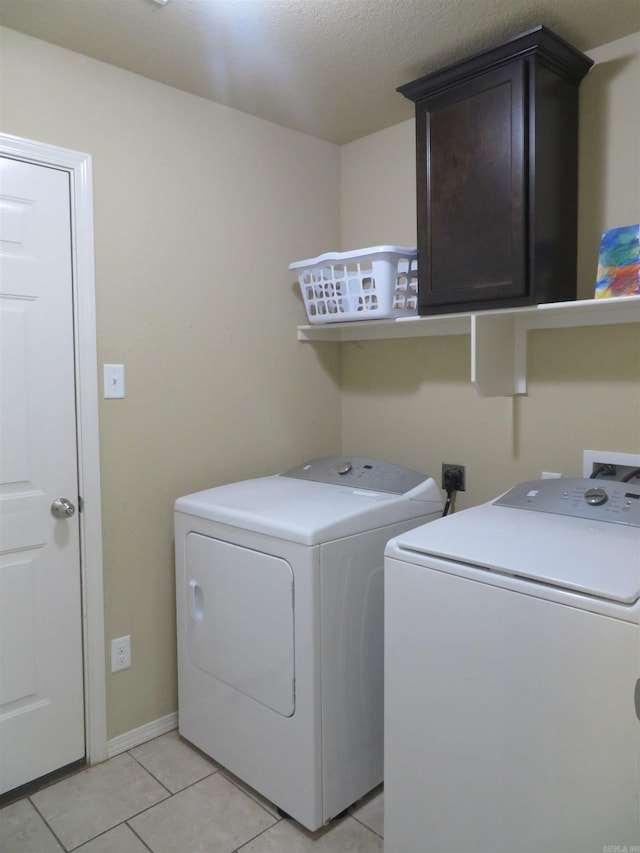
498	355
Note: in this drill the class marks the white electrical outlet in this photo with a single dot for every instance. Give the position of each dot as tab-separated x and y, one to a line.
591	459
121	653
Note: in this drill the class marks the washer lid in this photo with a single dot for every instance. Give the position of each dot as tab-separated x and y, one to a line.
594	558
307	511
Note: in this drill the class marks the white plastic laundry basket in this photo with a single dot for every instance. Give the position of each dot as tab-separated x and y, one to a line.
366	284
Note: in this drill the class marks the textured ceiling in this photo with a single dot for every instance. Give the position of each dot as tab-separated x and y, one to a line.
329	68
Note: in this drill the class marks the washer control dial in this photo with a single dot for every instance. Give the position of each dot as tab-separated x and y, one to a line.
359	472
596	497
614	502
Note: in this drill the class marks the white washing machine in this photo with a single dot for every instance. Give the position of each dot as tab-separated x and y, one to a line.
279	586
512	665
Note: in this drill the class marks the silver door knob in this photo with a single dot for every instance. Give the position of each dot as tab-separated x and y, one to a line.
62	508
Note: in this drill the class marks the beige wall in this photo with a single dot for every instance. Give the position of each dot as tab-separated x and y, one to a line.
198	212
609	150
411	400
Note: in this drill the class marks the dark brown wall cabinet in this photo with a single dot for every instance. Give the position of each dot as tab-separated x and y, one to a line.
497	174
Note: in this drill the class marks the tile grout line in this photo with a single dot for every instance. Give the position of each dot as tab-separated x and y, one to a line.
237	784
125	822
46	823
277	818
172	794
146	770
362	823
139	837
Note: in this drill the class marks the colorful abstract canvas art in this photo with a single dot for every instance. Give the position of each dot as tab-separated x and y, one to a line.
619	262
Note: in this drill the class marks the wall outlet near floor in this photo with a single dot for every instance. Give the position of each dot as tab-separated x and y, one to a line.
121	653
610	464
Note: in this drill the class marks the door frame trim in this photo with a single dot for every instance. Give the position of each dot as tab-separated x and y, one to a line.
79	168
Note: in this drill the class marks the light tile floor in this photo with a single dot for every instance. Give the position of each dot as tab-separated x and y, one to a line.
167	797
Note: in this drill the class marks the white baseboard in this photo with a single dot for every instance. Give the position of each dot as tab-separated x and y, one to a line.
142	734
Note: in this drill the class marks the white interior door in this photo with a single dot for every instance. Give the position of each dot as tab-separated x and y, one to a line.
41	668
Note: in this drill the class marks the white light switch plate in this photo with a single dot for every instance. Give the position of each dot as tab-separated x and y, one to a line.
113	381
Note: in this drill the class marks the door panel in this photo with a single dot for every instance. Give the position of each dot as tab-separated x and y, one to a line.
41	693
471	180
240	619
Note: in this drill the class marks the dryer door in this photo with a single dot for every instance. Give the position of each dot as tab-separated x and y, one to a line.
240	619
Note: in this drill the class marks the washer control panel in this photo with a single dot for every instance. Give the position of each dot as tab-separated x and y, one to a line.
359	473
611	501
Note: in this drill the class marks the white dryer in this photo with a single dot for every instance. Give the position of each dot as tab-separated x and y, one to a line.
279	588
512	680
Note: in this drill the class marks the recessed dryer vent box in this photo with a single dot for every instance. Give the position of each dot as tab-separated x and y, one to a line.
622	463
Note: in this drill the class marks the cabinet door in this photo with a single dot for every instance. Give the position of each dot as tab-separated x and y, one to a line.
472	176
